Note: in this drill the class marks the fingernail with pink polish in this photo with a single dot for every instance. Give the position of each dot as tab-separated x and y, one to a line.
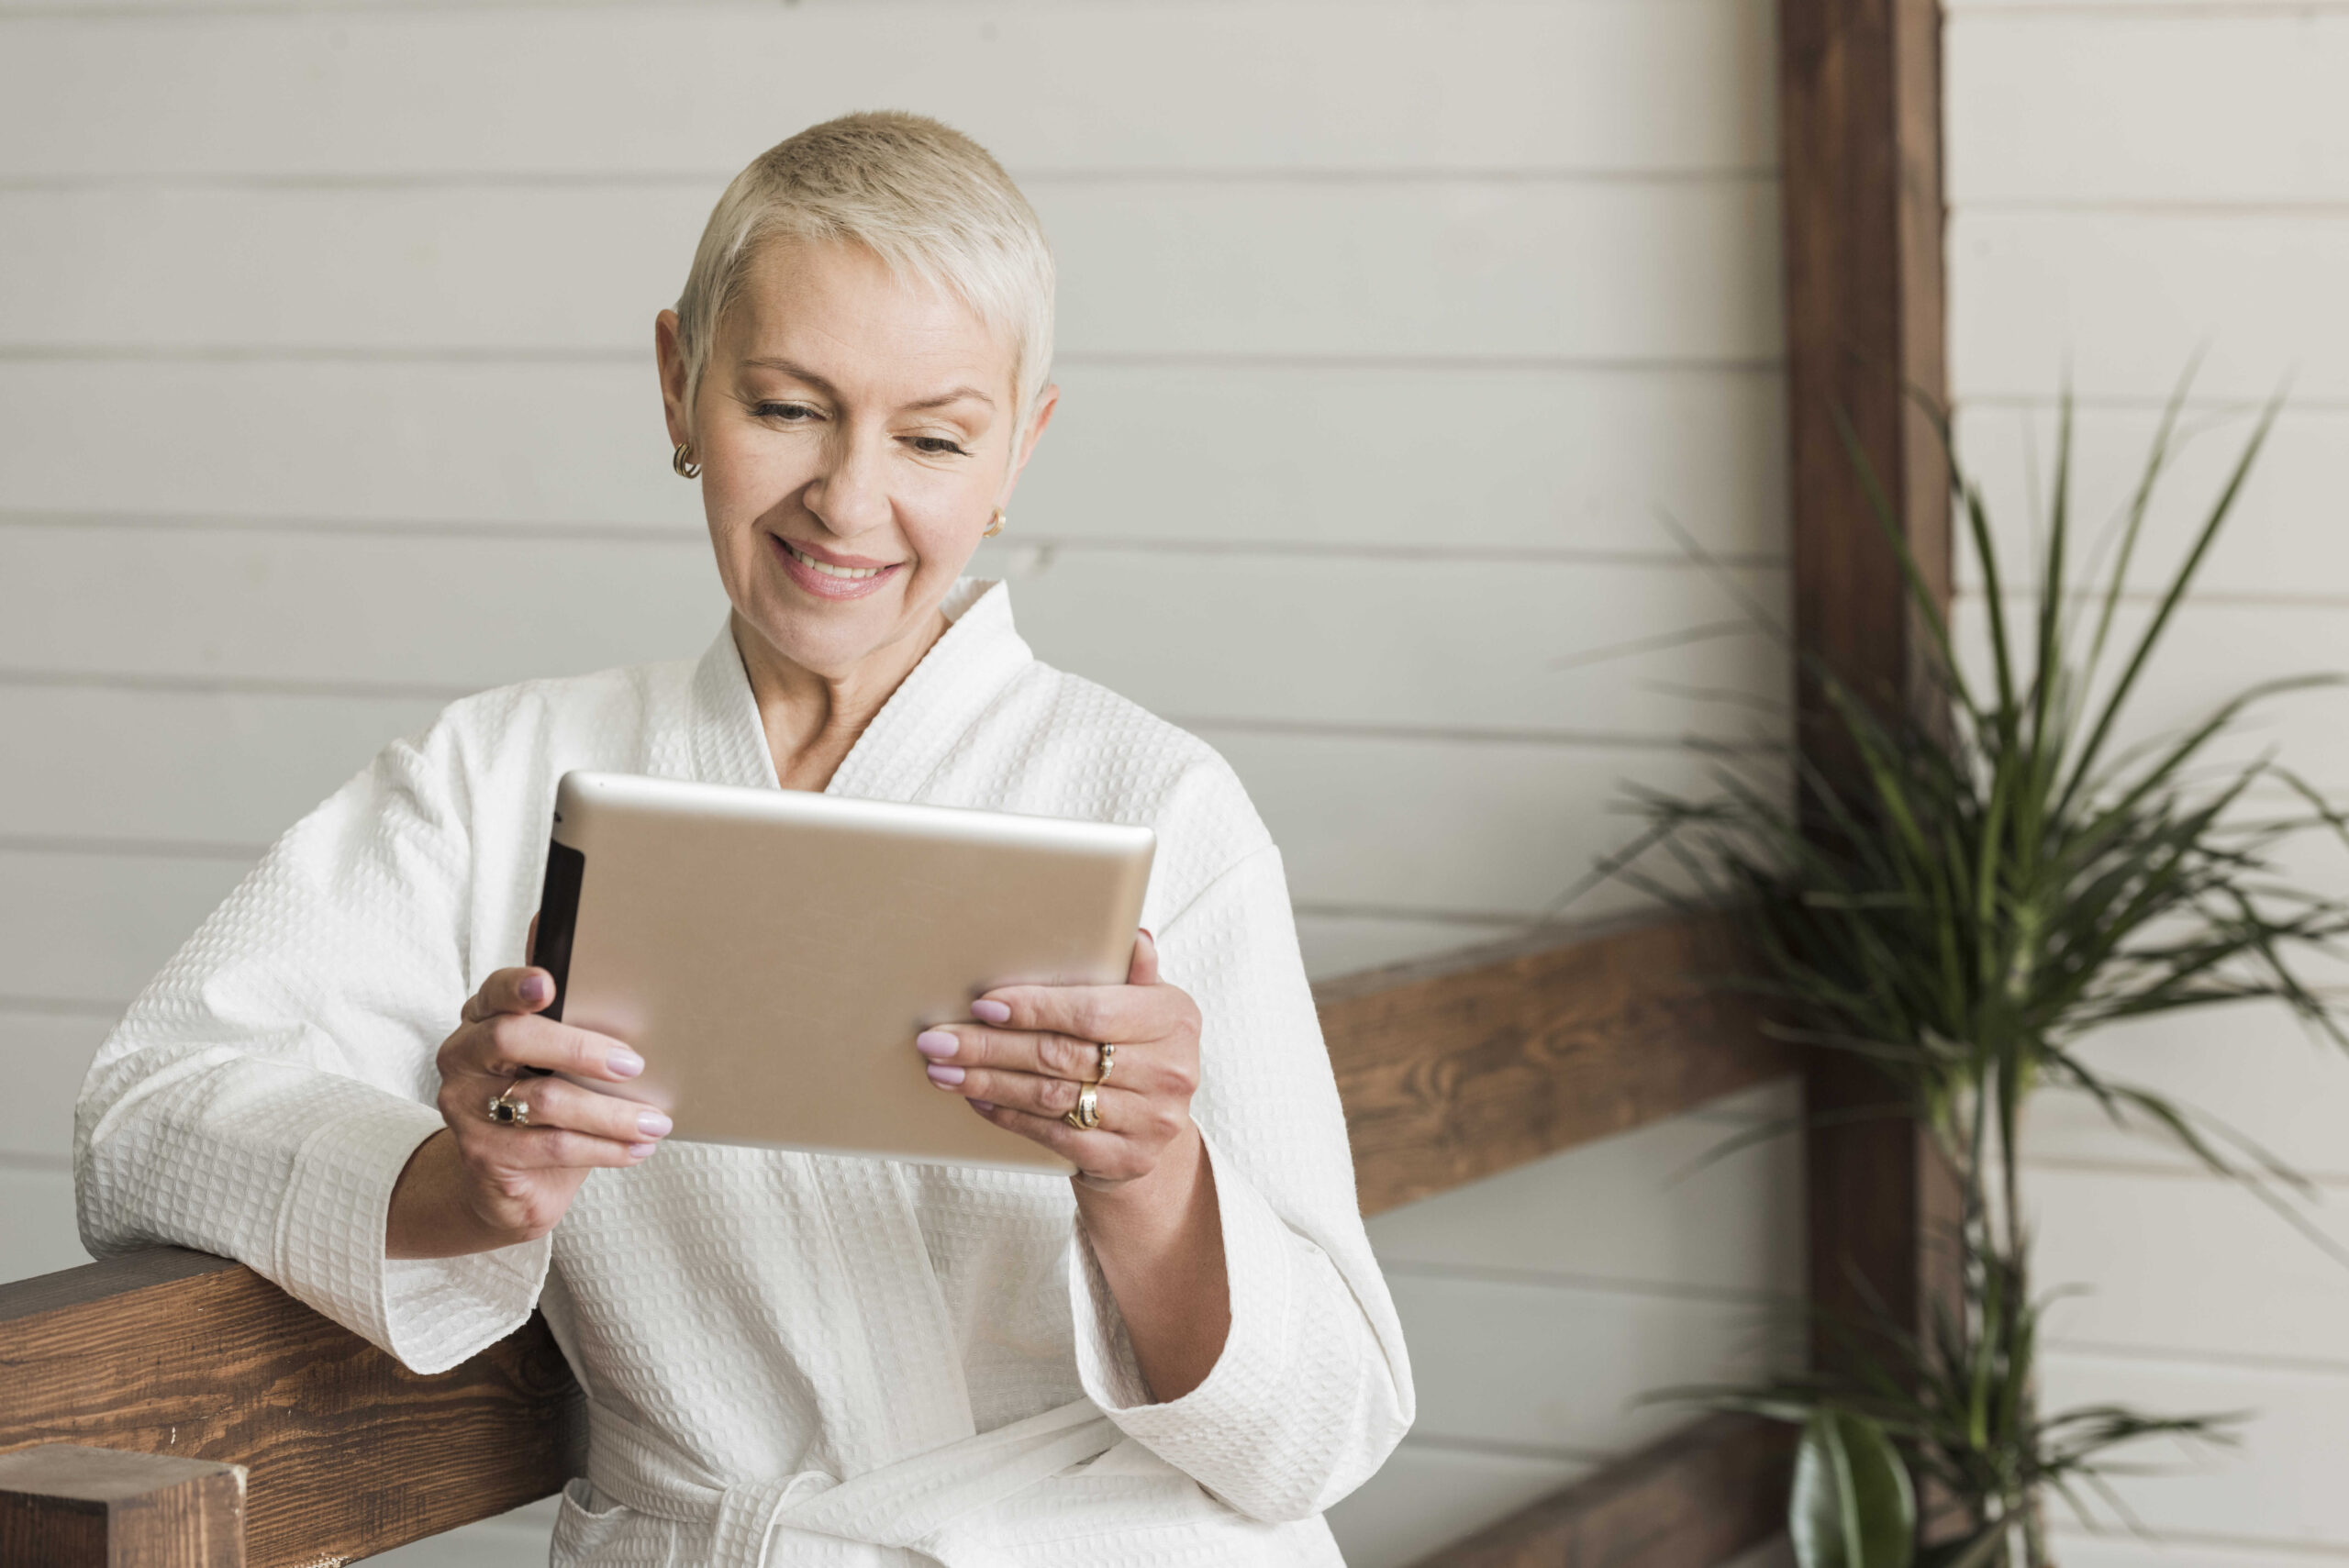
535	989
988	1010
937	1043
639	1151
980	1105
652	1124
943	1075
622	1062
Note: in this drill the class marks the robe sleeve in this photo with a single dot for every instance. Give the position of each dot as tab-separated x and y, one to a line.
1313	1388
264	1092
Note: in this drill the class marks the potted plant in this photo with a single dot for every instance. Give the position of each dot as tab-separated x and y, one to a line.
2001	877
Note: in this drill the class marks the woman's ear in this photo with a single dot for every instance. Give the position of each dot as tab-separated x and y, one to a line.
668	356
1046	401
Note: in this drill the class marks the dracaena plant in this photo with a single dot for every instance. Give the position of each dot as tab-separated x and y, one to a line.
1997	878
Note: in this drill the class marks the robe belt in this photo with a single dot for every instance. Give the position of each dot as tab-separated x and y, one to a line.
914	1503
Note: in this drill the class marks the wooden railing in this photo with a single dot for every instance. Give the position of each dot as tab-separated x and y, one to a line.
294	1442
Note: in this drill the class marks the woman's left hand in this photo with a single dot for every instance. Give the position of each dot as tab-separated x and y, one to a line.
1035	1047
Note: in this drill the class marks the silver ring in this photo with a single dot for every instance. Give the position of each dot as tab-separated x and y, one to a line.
1087	1113
509	1111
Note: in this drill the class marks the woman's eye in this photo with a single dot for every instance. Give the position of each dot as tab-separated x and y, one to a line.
789	413
937	446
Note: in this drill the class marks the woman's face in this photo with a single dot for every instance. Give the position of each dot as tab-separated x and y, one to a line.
854	435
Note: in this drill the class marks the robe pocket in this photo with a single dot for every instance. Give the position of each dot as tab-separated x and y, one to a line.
584	1530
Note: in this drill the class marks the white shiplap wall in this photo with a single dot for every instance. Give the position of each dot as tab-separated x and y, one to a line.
1390	333
2131	183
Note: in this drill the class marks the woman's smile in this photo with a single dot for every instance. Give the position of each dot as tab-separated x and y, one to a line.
829	576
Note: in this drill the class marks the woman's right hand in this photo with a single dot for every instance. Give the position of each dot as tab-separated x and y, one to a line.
478	1184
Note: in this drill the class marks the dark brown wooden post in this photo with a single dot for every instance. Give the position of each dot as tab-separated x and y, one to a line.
1860	132
62	1507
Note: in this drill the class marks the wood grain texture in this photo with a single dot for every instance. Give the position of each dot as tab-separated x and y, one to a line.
1860	106
1860	129
1460	1068
1691	1500
63	1505
170	1352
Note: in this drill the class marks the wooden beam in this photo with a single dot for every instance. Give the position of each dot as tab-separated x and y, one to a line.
1695	1500
62	1507
1860	144
1466	1066
349	1453
1860	133
1450	1070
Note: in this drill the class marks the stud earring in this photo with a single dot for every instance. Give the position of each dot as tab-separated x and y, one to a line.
685	469
995	524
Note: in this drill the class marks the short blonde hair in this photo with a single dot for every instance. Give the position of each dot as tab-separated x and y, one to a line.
927	199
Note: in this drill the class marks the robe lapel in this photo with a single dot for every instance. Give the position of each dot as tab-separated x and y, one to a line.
917	1399
930	713
937	705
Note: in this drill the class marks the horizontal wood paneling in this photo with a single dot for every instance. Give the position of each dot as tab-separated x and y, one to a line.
1427	1495
2251	1067
1497	269
2098	104
241	766
1579	650
2212	651
1481	831
2120	301
37	1231
368	613
1504	1361
2119	1548
1615	86
2122	7
2281	1485
47	1053
1558	462
2171	1261
1567	650
518	1540
91	930
1338	944
1642	1208
2282	539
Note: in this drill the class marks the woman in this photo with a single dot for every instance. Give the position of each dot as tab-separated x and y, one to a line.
1182	1354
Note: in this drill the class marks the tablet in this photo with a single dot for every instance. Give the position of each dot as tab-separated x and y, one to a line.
772	953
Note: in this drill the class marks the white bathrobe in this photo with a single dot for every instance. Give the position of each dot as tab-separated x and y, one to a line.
789	1358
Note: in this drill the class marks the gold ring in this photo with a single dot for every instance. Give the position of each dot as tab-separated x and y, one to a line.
506	1109
1109	1060
1087	1113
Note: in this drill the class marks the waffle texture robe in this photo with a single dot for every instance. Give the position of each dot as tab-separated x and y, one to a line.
790	1358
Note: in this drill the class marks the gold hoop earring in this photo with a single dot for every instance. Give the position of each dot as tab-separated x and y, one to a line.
685	469
995	524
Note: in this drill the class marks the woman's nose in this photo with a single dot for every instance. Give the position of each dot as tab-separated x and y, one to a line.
851	494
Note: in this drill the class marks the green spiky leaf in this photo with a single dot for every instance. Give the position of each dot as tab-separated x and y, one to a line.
1853	1505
